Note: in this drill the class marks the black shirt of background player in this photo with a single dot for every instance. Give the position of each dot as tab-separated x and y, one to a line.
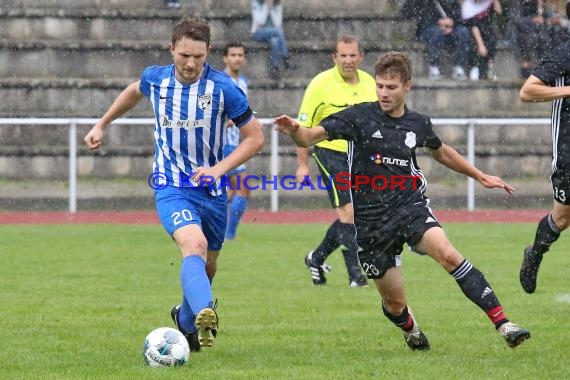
554	70
380	145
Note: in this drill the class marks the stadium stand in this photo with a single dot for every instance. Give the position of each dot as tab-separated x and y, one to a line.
70	58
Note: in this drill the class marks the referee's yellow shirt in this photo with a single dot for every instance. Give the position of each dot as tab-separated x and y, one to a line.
328	93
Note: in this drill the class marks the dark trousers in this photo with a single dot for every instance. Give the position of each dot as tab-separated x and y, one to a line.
459	41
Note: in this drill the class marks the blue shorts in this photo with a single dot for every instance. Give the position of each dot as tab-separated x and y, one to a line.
178	207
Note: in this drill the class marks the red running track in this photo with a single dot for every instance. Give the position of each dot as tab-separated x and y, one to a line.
259	216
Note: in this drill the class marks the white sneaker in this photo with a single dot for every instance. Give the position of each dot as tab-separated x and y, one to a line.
458	73
474	73
434	73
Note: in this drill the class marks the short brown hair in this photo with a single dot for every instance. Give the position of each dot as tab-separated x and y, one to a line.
394	63
192	28
347	39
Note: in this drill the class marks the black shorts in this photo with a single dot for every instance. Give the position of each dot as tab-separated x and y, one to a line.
381	242
330	163
560	180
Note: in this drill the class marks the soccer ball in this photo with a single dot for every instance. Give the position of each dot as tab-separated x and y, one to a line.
165	347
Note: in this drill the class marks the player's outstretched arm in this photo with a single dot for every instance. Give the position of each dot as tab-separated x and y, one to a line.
449	157
124	102
535	90
303	137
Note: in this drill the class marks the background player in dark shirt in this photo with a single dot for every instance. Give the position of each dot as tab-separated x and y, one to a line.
388	188
550	81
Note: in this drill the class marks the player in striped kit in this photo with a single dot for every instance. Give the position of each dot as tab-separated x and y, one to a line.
192	103
550	81
383	138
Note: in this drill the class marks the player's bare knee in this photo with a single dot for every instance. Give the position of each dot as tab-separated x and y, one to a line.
193	246
449	258
562	219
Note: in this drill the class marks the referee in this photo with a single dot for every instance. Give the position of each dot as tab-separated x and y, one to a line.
328	92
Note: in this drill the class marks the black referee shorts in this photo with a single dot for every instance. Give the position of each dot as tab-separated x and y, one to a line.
381	242
330	163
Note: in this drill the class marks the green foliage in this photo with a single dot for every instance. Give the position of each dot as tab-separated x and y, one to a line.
76	302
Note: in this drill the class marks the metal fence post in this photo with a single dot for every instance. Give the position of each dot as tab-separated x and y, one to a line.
73	166
274	169
471	159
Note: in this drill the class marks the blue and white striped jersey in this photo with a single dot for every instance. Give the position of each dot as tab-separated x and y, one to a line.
190	120
232	133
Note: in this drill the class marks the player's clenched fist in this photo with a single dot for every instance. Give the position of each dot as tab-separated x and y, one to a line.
94	138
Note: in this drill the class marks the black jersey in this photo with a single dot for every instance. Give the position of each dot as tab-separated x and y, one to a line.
554	70
382	156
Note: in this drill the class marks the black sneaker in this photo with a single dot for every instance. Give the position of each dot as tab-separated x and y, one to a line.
192	338
529	269
415	338
513	334
417	341
317	271
359	282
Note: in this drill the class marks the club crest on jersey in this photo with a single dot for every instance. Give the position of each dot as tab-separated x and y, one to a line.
410	139
376	158
205	101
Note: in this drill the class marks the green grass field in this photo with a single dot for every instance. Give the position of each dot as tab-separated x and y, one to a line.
76	302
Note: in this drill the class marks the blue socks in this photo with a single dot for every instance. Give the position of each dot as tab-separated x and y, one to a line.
196	290
237	208
186	317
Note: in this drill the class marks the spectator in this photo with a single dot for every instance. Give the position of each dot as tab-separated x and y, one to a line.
478	15
531	36
439	25
267	26
557	20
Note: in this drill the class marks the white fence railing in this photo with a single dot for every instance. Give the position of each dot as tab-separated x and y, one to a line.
469	123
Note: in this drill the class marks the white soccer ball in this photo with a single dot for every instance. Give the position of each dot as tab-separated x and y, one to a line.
165	347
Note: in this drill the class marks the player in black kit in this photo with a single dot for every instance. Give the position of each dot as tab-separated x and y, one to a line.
388	189
550	81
